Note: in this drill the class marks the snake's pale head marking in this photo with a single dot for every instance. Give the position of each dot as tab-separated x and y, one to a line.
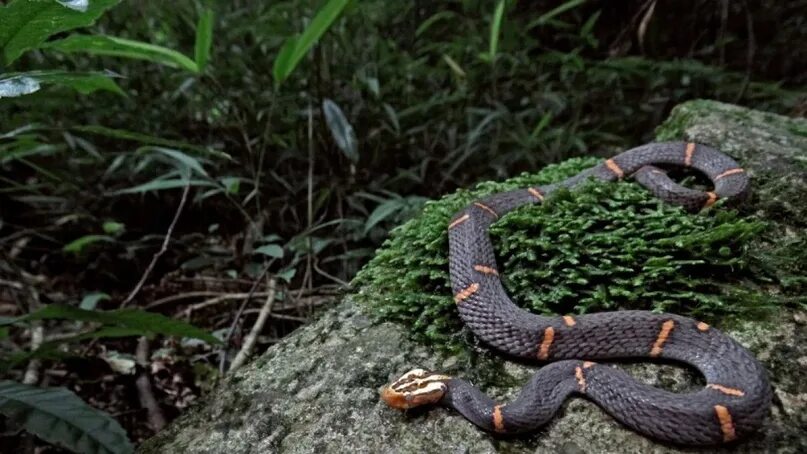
415	388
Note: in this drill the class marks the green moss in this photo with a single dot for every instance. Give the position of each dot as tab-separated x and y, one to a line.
778	256
599	247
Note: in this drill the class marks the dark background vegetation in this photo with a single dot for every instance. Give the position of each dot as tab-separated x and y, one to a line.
430	112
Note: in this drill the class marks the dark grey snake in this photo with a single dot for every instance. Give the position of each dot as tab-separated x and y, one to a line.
737	395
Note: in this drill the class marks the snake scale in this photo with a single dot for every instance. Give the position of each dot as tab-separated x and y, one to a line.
737	394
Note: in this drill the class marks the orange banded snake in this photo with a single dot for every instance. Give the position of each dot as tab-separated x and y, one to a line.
737	394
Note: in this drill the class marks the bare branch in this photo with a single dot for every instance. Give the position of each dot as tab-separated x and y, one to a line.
162	250
252	337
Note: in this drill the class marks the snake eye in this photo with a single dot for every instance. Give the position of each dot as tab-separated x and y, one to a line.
415	388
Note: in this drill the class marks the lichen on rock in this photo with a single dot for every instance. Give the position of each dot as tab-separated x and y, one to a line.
316	391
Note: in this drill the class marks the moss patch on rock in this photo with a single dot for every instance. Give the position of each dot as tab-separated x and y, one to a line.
602	246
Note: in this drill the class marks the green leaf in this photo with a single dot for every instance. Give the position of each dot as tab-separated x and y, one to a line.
58	416
383	211
455	67
79	244
105	332
120	47
147	139
25	24
271	250
231	184
91	300
341	130
495	30
19	84
181	158
283	64
138	321
426	24
287	275
296	48
47	351
161	185
112	227
551	14
204	39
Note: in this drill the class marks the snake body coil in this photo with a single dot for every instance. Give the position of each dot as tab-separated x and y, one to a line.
736	397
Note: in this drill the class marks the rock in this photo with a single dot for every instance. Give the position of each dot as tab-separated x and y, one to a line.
317	390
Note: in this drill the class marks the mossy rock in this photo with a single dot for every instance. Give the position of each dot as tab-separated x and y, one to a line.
316	391
603	246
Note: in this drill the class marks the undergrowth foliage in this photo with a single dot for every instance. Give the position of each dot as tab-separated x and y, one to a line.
602	246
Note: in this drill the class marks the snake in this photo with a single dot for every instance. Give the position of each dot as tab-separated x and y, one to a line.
737	395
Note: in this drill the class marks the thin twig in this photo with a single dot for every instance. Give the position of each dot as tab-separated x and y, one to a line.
163	248
144	391
329	276
275	316
252	337
321	293
231	331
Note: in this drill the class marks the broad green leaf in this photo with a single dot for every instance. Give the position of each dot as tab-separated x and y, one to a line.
271	250
25	24
120	47
58	416
341	130
204	39
19	84
137	321
150	140
296	48
161	185
79	244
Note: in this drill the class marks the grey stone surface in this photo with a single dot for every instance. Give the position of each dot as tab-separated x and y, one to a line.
317	390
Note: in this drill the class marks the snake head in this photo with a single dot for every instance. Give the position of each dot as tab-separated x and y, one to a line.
415	388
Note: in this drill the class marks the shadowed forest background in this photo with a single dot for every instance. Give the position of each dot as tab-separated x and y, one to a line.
200	192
